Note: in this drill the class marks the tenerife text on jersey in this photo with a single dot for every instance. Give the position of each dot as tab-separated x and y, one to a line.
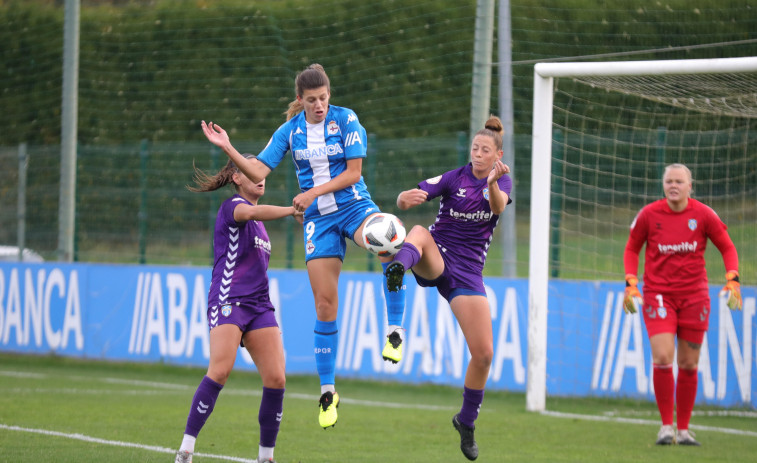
680	248
477	216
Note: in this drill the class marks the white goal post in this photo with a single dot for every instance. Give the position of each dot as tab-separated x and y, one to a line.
542	146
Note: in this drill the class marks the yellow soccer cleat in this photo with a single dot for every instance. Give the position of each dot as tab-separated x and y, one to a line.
328	404
393	348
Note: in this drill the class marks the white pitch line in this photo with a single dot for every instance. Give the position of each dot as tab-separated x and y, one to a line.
97	440
370	403
165	387
618	419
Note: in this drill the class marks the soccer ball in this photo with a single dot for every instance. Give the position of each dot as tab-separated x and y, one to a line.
384	234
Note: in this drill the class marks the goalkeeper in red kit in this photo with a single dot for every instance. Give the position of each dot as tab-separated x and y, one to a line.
676	302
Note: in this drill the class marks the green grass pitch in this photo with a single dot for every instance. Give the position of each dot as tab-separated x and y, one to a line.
71	410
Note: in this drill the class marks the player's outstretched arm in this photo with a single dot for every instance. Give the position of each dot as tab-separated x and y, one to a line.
411	198
252	168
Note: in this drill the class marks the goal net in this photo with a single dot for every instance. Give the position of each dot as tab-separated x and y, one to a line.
602	135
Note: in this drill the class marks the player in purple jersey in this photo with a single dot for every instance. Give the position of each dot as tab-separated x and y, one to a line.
239	308
327	146
451	253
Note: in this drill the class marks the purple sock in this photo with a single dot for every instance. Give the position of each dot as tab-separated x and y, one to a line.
408	255
472	399
202	405
269	416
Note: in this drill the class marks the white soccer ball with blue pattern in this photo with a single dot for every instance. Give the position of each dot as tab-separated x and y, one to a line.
384	234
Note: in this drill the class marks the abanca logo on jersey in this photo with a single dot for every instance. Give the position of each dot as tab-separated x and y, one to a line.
680	248
328	150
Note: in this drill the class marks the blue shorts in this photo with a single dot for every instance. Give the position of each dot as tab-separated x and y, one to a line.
454	281
247	315
325	235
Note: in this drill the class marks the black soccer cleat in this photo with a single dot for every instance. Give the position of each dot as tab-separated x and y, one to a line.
395	272
467	442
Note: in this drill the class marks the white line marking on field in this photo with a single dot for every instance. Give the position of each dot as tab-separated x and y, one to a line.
165	387
97	440
238	392
736	413
618	419
373	403
21	374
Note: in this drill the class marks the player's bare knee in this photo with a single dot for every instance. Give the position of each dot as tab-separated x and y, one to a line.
219	375
277	381
483	357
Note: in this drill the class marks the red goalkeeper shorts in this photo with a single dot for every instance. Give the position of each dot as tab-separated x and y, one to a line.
686	315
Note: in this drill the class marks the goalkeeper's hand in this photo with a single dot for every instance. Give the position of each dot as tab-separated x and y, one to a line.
632	301
732	290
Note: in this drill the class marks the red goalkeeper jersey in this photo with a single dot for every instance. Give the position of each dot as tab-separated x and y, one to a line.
676	241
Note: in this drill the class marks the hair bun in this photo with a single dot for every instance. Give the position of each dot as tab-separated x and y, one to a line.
494	124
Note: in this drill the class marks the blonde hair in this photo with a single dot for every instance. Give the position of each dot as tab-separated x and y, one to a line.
314	76
678	166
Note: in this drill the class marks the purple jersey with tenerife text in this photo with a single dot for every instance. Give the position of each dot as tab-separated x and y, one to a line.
242	252
465	223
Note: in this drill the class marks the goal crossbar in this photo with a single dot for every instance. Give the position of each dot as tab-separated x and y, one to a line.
641	68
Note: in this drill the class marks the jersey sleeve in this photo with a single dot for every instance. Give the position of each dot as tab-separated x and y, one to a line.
506	186
435	186
636	239
227	211
355	140
717	231
276	148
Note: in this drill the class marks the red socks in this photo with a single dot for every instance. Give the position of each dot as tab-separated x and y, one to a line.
685	390
686	395
664	387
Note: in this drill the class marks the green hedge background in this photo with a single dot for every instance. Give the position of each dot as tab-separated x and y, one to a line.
151	70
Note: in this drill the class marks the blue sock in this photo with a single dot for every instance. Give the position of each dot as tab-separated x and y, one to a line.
326	342
395	301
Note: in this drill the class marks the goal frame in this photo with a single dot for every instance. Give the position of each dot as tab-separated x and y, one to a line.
541	161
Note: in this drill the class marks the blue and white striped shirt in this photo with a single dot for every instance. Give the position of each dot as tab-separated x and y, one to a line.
320	152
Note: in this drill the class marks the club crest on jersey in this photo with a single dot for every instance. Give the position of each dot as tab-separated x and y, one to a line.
226	310
486	193
333	128
692	224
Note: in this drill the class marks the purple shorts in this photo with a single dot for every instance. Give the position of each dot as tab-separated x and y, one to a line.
247	315
454	280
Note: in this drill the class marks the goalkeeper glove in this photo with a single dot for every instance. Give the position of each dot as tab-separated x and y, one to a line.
632	301
732	290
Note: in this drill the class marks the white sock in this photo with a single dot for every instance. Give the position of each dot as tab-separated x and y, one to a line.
398	329
327	388
265	453
188	443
